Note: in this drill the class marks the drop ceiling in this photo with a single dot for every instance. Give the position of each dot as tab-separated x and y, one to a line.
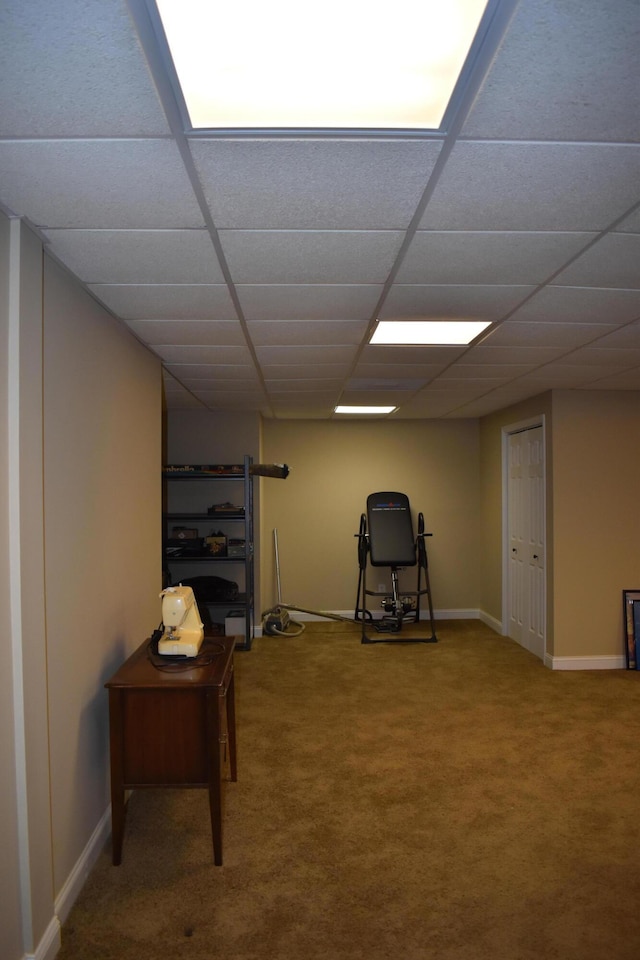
255	266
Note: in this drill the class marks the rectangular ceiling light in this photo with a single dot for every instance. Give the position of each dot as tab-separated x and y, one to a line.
370	410
353	64
428	332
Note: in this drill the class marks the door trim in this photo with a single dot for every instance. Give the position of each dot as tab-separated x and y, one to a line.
507	431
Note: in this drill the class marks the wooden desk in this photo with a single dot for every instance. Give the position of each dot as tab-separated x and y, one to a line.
172	727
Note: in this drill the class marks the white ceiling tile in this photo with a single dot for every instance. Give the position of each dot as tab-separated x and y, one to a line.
72	69
484	353
375	397
284	404
571	373
137	256
630	224
221	356
564	72
384	384
625	380
486	371
563	375
185	370
423	371
580	305
119	184
487	258
521	333
379	353
314	184
613	262
427	406
491	402
469	302
305	385
465	385
307	355
624	337
308	302
306	332
294	371
166	301
230	385
532	186
597	355
188	332
225	401
310	256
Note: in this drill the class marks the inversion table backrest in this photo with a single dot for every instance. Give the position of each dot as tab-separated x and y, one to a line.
391	540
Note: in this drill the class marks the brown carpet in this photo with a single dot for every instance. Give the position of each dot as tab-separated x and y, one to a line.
450	801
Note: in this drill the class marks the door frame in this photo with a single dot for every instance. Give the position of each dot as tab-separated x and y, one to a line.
507	431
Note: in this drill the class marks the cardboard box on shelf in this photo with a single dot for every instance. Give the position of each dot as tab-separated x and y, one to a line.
217	544
234	623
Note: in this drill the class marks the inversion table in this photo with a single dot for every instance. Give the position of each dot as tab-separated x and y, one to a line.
386	539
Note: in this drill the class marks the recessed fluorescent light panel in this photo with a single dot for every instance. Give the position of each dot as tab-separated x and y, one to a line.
428	332
351	64
378	410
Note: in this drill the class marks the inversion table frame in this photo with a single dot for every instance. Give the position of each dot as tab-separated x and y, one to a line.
389	542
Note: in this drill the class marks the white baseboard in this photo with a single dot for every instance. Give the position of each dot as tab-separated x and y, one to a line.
453	614
50	943
554	663
490	621
308	617
585	663
78	876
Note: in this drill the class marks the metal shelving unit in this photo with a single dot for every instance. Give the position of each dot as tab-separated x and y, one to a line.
186	490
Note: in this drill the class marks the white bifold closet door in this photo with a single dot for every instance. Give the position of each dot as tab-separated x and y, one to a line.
526	539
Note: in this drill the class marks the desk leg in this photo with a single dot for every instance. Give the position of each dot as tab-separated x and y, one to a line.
117	788
231	728
215	772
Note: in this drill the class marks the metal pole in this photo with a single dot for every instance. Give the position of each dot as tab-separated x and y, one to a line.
275	547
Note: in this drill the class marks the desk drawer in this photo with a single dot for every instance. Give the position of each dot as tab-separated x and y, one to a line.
164	738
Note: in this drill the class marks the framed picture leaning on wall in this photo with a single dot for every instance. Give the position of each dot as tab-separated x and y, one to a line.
631	612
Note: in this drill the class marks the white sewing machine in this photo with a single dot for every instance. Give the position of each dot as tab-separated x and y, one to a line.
183	631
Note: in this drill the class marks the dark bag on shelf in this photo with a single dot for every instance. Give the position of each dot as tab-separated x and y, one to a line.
212	589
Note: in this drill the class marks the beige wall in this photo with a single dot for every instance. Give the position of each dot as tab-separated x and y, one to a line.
596	548
80	572
200	436
102	433
334	467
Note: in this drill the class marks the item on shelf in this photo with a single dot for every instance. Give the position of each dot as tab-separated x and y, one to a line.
191	547
212	589
184	533
235	548
278	470
234	623
226	507
217	543
183	630
203	470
